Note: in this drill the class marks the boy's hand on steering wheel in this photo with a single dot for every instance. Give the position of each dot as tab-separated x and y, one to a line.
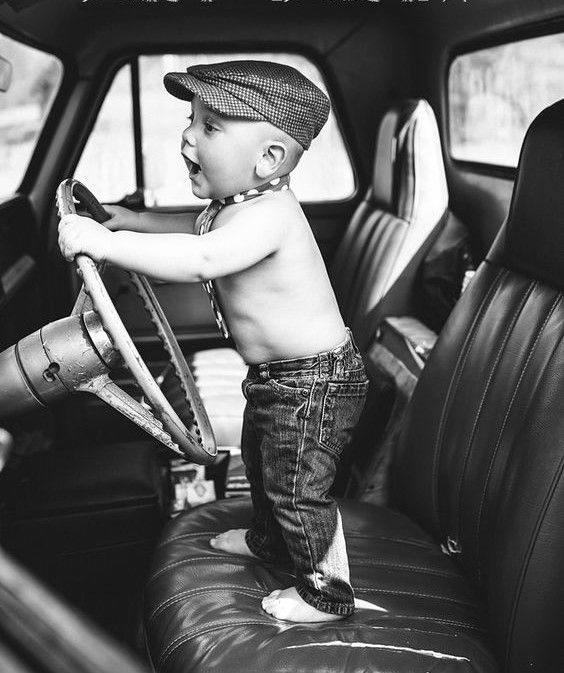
121	219
84	235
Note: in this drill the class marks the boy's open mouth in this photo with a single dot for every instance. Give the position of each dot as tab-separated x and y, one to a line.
193	168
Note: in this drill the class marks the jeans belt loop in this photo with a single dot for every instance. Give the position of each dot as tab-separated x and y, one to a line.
339	365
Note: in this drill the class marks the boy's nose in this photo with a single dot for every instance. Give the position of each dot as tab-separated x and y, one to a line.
188	136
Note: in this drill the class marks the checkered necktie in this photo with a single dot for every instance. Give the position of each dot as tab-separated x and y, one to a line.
208	216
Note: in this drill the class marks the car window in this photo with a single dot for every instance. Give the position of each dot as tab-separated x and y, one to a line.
323	174
107	164
36	77
494	94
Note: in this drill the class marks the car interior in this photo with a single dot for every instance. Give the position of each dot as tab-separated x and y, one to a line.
435	195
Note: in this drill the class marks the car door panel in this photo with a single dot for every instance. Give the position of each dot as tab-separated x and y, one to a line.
20	299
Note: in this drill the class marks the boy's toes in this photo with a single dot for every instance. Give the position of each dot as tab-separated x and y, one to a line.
216	539
273	594
269	605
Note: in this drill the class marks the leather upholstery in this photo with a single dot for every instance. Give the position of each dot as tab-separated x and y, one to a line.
203	613
404	205
479	471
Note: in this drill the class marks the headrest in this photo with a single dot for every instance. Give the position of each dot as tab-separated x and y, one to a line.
534	232
409	172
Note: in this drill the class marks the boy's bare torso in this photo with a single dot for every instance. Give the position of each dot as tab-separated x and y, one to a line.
284	306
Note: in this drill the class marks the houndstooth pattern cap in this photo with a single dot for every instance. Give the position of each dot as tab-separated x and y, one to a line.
259	91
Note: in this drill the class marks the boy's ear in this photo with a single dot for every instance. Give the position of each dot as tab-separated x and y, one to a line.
273	155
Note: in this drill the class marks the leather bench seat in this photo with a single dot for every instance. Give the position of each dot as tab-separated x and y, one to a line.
203	612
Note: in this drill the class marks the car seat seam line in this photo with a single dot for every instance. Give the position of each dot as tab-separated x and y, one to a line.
498	358
453	383
504	423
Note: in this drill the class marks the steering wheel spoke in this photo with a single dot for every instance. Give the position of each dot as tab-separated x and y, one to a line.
110	393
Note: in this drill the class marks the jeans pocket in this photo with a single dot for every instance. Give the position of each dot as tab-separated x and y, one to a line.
289	386
342	406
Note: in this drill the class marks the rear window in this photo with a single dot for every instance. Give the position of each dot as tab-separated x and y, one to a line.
107	166
36	77
494	94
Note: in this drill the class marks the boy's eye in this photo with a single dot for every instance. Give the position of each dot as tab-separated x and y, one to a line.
209	127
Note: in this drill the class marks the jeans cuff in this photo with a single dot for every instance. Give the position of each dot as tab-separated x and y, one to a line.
332	607
255	544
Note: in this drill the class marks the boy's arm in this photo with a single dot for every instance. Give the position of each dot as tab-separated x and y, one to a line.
123	219
174	257
165	223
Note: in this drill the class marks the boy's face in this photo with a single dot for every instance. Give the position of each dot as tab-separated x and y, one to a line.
220	152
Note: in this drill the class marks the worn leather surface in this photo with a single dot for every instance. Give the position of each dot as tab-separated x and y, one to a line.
203	613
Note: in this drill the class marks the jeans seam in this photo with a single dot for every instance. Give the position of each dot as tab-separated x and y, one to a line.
296	509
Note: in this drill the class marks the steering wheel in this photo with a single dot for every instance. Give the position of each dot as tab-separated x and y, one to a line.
196	442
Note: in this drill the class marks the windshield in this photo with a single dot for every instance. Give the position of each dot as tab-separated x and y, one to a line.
35	80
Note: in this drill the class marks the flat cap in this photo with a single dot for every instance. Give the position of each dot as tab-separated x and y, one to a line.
259	91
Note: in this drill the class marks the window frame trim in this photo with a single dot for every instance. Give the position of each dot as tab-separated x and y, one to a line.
530	30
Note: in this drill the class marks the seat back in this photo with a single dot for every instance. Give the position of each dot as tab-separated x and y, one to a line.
404	205
480	462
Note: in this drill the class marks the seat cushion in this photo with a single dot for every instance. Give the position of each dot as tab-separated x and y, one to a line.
218	374
203	606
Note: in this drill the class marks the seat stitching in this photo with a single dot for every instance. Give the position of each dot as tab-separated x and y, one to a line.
454	381
397	540
194	633
387	241
440	620
504	423
231	558
402	566
187	635
179	537
202	590
508	332
416	594
364	281
527	556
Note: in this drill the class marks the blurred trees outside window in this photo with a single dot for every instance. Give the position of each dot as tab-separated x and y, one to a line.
494	94
107	164
36	77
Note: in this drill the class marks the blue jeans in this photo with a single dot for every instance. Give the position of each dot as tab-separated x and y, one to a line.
299	417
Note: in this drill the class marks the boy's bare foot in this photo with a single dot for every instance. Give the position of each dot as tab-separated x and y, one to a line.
232	541
289	605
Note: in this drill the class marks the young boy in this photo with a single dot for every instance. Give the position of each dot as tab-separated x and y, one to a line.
306	384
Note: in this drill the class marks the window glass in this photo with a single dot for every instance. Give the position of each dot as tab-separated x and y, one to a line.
494	94
107	165
36	77
324	172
